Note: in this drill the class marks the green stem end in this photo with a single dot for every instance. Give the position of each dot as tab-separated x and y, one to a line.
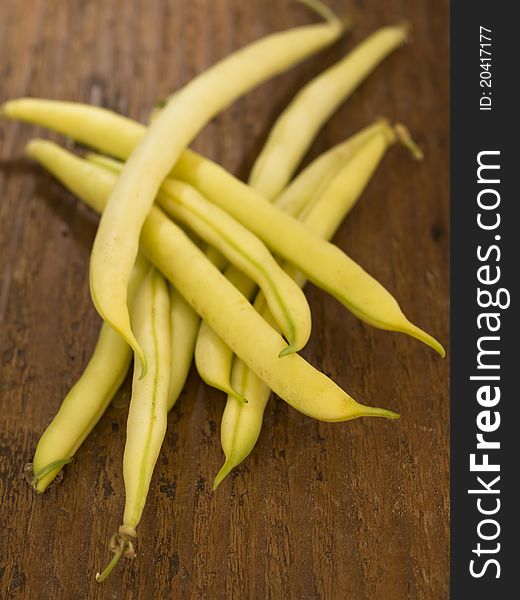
43	472
404	137
326	13
286	351
226	469
121	545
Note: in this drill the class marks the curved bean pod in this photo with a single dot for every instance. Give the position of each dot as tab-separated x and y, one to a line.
213	297
297	126
240	429
323	263
146	424
288	141
147	414
88	399
242	422
245	251
212	356
117	239
213	365
315	178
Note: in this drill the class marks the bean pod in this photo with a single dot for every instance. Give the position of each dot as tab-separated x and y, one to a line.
213	297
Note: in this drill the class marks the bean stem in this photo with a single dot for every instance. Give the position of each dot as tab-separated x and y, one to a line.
404	137
122	546
43	472
322	10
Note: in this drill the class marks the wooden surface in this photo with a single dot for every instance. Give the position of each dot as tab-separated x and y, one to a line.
356	510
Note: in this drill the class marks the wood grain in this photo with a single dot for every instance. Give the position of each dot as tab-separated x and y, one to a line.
358	510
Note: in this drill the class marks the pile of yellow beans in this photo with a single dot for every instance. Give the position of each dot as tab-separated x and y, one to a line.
191	263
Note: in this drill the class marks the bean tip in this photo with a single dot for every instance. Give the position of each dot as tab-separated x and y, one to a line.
6	109
228	390
407	28
322	10
92	156
222	474
33	147
382	120
140	356
287	351
235	394
390	414
434	344
404	137
424	337
372	411
346	23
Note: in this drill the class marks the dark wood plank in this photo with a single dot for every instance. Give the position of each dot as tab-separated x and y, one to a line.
319	511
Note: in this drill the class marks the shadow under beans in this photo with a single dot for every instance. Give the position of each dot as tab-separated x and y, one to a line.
79	221
16	167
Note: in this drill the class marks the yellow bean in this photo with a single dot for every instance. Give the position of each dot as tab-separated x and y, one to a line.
147	415
213	360
340	79
240	429
323	264
288	141
149	404
315	178
88	399
212	356
242	422
117	239
286	300
213	297
296	128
